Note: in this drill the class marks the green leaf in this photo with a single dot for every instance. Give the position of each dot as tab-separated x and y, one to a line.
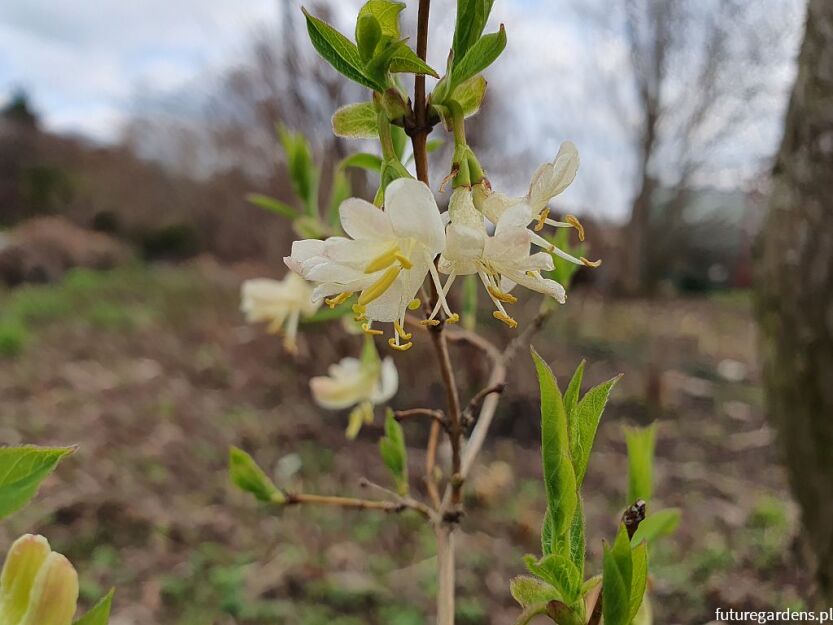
479	57
529	590
558	571
577	544
302	170
548	537
469	95
363	160
99	614
329	314
641	443
471	20
356	121
386	13
645	614
406	61
22	469
249	477
470	297
433	145
393	452
660	523
339	52
573	391
585	421
368	34
272	204
559	477
616	581
400	141
639	580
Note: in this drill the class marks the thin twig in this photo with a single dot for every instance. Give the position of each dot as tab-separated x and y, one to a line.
344	502
405	500
404	415
468	416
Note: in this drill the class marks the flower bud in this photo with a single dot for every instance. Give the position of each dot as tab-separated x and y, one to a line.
37	586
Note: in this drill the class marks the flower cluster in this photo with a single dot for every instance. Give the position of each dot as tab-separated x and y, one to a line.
388	253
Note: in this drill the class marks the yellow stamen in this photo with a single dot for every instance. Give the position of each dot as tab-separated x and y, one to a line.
429	322
455	318
405	336
502	316
368	330
590	263
502	296
575	223
359	310
414	304
383	260
378	288
542	217
404	347
332	302
403	260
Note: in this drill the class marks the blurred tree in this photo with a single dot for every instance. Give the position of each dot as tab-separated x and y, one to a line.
795	290
696	77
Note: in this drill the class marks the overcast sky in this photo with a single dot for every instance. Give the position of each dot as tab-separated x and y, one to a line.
86	63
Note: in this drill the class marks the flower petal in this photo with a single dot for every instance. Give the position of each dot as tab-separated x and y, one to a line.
362	220
388	382
413	213
551	179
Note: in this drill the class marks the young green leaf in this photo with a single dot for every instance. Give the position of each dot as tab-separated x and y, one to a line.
469	95
363	160
249	477
99	614
558	571
386	13
577	544
639	579
482	54
559	477
406	61
616	581
356	121
471	20
339	52
393	452
641	443
585	420
400	141
529	590
22	469
658	524
272	204
302	170
368	34
573	391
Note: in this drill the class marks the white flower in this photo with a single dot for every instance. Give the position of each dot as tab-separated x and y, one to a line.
548	181
386	259
501	260
281	303
362	383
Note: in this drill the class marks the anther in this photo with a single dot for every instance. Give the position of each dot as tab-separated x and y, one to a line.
369	330
404	347
405	336
590	263
414	304
332	302
575	223
506	298
502	316
542	217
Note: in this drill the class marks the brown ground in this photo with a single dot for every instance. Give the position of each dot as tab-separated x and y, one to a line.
154	374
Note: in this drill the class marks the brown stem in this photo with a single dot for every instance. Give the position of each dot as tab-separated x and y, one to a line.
404	415
431	463
345	502
419	137
455	430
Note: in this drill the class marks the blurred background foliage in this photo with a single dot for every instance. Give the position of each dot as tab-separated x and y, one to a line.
121	259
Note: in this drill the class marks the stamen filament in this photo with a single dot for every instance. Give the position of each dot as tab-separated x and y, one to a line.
378	288
367	328
332	302
383	260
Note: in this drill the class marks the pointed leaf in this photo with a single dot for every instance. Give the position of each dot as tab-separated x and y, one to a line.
339	52
639	580
356	121
559	478
641	443
368	35
99	614
482	54
616	604
22	469
558	571
249	477
588	413
576	538
363	160
386	13
658	524
529	590
406	61
272	204
573	391
393	452
471	20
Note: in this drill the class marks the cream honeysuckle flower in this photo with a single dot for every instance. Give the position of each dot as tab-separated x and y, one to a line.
360	383
501	260
548	181
38	586
281	303
386	256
